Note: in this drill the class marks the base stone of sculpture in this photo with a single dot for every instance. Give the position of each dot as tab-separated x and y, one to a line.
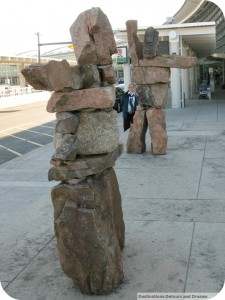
90	232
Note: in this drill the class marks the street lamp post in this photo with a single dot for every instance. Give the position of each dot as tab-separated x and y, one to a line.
39	52
47	44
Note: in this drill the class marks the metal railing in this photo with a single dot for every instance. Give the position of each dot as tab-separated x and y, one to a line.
14	91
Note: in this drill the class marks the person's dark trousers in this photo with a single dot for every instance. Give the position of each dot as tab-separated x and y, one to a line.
128	121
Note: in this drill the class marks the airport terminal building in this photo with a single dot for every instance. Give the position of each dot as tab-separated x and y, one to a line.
197	29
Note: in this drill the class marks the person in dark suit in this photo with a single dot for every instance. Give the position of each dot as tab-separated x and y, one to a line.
129	105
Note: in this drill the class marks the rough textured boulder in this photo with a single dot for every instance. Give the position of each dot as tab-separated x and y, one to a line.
151	43
95	98
67	122
84	166
154	95
63	77
150	75
90	75
108	74
95	134
93	38
66	150
90	232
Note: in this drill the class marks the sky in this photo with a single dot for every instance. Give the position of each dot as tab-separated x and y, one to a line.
21	20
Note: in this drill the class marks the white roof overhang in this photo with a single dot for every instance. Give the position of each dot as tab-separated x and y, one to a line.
201	37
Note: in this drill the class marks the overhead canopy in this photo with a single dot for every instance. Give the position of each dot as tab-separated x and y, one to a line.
201	37
187	10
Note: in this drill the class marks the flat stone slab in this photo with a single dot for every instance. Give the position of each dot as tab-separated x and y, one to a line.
84	166
169	61
94	98
46	76
150	75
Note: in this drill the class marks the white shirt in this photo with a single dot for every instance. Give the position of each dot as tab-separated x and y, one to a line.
132	99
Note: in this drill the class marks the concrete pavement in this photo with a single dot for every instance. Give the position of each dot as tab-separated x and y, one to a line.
174	212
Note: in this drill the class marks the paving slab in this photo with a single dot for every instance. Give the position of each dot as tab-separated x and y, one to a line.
173	176
207	263
174	210
26	226
212	185
215	147
155	259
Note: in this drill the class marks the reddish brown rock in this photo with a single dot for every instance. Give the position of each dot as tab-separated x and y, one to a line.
97	133
137	132
96	98
135	46
108	74
84	166
66	150
77	77
154	95
93	38
90	232
90	75
169	61
157	128
150	75
53	76
151	43
56	162
66	122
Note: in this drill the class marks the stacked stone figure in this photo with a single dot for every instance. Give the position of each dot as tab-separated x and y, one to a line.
88	215
151	73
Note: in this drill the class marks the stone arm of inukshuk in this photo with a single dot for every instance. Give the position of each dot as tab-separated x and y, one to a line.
151	73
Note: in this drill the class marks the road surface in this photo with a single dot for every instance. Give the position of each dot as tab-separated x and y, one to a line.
24	128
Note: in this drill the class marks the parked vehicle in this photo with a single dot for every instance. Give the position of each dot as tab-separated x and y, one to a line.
121	85
203	91
5	90
121	80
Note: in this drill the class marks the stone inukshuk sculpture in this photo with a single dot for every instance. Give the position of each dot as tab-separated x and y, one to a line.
88	215
151	73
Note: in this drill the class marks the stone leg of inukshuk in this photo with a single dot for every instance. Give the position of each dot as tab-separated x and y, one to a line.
157	128
151	73
136	136
88	214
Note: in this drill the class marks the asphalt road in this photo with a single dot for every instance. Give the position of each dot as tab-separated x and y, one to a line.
24	128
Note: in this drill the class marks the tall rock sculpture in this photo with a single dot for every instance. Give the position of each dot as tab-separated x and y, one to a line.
151	73
88	216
